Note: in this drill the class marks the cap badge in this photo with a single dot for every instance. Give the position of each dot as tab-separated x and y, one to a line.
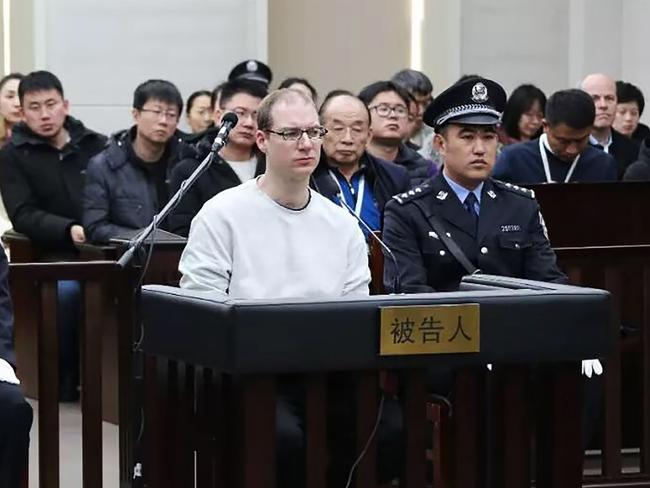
479	93
251	66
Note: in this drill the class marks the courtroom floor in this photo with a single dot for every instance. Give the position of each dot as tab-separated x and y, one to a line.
70	449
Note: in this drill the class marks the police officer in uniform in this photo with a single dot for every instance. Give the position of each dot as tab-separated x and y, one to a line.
494	226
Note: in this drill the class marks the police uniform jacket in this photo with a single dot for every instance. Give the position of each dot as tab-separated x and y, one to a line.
510	241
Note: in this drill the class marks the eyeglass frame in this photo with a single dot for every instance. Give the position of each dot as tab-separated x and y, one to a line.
158	113
390	110
322	131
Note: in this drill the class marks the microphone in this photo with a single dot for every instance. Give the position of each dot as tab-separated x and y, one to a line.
330	189
228	122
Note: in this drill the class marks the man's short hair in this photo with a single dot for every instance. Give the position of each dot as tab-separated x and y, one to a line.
368	94
239	85
335	94
572	107
302	81
162	90
39	81
627	92
413	81
264	117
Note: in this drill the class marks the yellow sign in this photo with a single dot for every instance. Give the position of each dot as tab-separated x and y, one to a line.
434	329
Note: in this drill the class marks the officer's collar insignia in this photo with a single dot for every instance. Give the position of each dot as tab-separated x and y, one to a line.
441	195
251	66
492	194
479	93
434	235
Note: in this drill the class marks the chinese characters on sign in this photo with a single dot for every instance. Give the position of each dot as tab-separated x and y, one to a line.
430	329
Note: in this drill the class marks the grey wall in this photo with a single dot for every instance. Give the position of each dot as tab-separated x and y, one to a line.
103	50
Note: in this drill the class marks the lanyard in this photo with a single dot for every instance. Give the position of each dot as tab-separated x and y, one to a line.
360	192
547	170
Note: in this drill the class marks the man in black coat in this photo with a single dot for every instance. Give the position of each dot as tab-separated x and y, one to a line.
42	167
236	163
640	169
364	181
388	104
128	182
498	226
41	176
15	412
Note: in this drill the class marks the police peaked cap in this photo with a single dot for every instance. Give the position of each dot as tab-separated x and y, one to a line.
252	70
472	101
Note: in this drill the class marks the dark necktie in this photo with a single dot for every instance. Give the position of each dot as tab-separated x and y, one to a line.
471	202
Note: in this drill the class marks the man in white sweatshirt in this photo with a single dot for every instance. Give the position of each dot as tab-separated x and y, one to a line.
272	237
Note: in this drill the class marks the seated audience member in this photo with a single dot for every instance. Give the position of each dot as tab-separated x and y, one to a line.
420	88
237	162
127	183
522	117
15	412
629	108
640	169
389	108
252	70
41	176
9	105
602	90
199	111
364	181
302	85
274	238
562	153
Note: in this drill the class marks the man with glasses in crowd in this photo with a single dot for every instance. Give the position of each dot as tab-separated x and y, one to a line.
389	109
238	162
41	177
127	183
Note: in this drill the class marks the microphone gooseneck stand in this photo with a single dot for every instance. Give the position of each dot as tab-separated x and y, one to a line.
228	122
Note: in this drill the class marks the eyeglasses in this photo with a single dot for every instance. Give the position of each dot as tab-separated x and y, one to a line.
170	114
242	113
295	134
384	110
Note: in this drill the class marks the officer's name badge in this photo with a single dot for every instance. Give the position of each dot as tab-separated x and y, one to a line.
511	228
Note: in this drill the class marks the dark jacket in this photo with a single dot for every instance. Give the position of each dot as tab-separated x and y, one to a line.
640	169
419	169
624	150
6	314
510	239
42	185
119	196
219	177
386	178
641	132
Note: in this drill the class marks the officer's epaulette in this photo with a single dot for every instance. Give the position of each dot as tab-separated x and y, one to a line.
519	190
413	193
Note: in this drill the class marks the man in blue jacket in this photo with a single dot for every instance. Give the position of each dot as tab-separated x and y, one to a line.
15	412
364	181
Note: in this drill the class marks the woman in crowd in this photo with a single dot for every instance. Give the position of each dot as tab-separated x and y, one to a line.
302	85
199	111
9	105
629	108
522	116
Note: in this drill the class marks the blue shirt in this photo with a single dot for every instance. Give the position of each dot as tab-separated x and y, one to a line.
462	192
369	213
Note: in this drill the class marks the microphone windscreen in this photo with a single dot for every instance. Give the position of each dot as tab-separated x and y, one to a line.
229	118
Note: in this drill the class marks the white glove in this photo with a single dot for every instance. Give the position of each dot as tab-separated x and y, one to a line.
591	366
7	373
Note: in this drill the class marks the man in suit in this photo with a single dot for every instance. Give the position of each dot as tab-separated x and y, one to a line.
15	412
498	226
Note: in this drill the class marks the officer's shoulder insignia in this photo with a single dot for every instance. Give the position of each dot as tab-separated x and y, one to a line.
413	193
518	190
